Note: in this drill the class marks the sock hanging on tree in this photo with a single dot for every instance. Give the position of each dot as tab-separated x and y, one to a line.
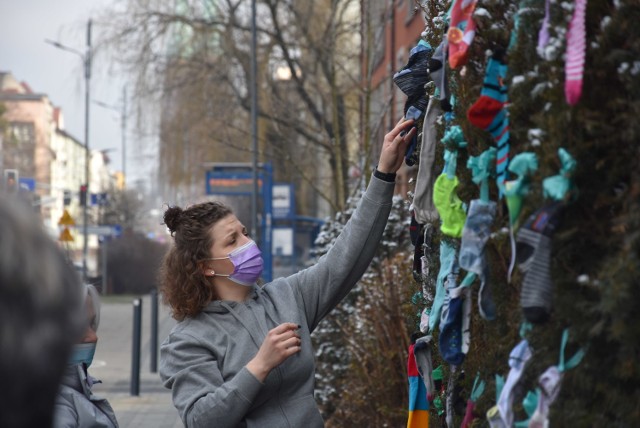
448	262
418	404
576	44
476	392
461	32
533	252
422	352
438	73
518	359
489	113
550	383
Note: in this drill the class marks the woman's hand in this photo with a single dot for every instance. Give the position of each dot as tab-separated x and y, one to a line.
395	145
280	343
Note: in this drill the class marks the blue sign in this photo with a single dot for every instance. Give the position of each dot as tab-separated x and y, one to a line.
100	199
27	184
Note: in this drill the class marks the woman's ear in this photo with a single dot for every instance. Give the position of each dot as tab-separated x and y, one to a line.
206	270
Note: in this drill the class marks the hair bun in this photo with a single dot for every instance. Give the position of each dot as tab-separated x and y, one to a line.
172	217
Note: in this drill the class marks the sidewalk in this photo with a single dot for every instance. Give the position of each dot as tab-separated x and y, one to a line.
112	364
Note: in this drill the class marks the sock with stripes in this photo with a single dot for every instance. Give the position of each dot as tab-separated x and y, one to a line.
489	113
461	32
533	249
576	44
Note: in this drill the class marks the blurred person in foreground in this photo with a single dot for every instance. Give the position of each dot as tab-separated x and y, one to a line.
40	302
76	406
241	354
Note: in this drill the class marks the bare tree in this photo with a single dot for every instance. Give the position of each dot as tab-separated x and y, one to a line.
193	59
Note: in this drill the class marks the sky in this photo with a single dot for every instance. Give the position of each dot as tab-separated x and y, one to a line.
24	26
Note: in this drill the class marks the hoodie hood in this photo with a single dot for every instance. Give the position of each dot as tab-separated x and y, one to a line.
222	306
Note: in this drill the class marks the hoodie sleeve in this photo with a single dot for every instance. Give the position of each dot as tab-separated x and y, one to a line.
321	287
200	394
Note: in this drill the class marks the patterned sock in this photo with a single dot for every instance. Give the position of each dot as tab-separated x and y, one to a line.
533	252
517	361
576	44
461	32
475	234
448	263
454	334
489	113
418	404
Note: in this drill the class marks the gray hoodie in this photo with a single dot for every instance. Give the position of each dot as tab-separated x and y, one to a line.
77	407
203	360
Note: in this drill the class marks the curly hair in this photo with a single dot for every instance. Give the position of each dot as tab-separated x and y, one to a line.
183	284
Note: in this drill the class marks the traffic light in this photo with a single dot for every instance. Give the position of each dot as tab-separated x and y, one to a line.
11	180
83	195
67	198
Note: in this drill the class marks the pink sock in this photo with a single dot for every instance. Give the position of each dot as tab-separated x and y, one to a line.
468	416
576	44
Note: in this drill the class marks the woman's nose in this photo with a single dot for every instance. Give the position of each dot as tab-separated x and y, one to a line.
90	336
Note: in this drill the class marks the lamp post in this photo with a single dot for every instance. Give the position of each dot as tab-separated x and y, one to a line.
86	59
123	128
254	120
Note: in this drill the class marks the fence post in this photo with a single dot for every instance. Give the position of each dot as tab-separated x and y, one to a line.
135	348
153	342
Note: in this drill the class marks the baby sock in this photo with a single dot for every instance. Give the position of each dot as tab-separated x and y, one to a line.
422	352
449	206
489	113
576	44
475	235
415	74
543	35
438	74
425	211
550	382
461	32
418	404
533	249
476	392
518	359
448	263
454	334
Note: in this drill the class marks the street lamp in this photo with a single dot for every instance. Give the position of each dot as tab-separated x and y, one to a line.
123	125
86	59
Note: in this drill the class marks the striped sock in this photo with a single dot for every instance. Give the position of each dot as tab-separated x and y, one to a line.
576	44
488	113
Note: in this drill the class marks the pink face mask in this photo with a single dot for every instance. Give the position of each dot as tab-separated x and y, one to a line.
247	264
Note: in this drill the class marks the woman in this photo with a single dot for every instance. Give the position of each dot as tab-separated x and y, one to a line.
76	406
241	355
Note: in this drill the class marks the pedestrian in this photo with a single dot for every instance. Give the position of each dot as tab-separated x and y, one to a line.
76	406
240	354
40	299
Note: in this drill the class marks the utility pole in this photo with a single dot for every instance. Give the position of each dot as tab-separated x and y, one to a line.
254	120
87	156
86	59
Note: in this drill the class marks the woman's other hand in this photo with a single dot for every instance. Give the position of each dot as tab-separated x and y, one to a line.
280	343
395	145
